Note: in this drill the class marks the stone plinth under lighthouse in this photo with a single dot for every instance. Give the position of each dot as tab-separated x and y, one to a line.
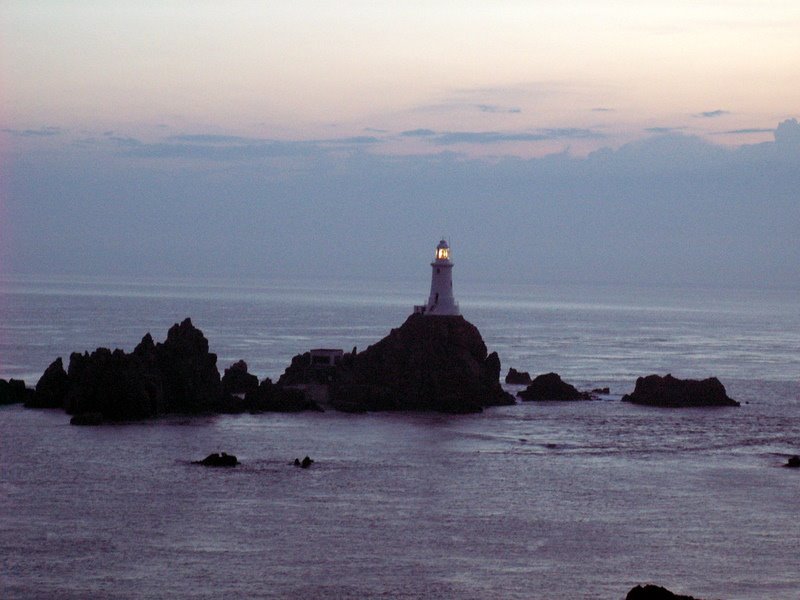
441	301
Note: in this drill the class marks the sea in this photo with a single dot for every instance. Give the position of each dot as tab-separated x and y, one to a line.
532	501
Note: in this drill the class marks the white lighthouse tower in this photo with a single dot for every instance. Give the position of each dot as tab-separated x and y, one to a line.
441	300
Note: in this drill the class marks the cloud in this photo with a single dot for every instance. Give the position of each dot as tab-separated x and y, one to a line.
228	147
788	132
41	132
665	130
711	114
493	108
418	133
494	137
745	131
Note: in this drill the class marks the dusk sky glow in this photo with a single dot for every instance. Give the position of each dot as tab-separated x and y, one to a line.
258	101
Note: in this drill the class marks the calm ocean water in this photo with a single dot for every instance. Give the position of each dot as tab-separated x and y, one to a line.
569	500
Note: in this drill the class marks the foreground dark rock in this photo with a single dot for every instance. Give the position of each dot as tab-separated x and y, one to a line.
430	363
669	391
515	377
14	391
218	460
793	462
550	387
654	592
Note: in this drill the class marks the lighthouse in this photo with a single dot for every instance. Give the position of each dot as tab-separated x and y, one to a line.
441	300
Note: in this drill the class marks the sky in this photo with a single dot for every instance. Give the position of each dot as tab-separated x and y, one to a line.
551	141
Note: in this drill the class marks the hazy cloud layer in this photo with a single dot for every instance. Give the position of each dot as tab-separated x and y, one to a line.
671	208
711	114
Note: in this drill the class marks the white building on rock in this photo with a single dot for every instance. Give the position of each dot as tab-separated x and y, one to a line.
441	300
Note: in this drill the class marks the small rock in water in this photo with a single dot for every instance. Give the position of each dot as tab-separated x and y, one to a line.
604	390
793	462
218	460
654	592
303	464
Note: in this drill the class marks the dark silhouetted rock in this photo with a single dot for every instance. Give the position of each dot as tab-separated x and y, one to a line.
189	374
793	462
669	391
604	390
87	419
218	460
14	391
515	377
177	376
431	363
113	384
52	387
550	387
303	464
654	592
236	379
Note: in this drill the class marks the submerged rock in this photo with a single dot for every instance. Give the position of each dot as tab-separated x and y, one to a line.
303	464
87	419
515	377
431	363
218	460
654	592
550	387
669	391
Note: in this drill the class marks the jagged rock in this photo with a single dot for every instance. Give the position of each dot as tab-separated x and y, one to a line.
303	464
654	592
793	462
14	391
437	363
550	387
87	419
515	377
236	379
669	391
113	384
177	376
269	397
52	387
189	374
218	460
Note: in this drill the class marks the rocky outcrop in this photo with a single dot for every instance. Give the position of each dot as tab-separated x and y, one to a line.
550	387
430	363
236	379
218	460
654	592
515	377
669	391
793	462
14	391
52	387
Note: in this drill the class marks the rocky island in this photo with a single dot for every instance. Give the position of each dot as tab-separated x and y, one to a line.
672	392
430	363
